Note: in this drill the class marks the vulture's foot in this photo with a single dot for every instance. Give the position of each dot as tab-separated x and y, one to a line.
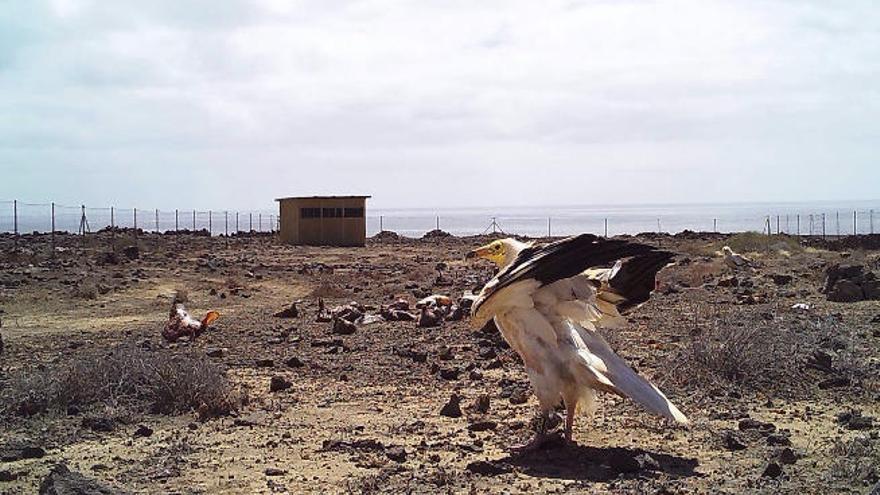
538	442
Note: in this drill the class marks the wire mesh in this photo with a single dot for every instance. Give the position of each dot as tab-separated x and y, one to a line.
29	217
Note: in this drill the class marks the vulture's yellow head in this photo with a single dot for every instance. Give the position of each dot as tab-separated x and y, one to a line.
501	252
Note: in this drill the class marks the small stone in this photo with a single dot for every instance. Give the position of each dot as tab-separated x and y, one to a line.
483	403
143	432
778	439
732	441
342	326
294	362
396	454
487	468
483	426
452	409
519	396
450	374
275	472
788	456
7	476
476	375
214	353
279	383
265	363
773	470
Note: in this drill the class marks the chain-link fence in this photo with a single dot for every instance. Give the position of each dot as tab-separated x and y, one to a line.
20	218
829	224
23	217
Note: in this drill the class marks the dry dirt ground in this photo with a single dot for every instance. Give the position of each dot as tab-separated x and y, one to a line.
782	400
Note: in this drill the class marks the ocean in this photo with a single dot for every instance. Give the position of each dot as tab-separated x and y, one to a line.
795	218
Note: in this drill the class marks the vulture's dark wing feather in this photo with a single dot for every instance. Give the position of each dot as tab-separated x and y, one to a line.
563	259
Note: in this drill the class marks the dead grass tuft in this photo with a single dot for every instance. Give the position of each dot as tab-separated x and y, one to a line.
127	378
755	242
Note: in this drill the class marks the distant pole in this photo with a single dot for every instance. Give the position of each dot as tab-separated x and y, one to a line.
15	217
494	224
53	229
157	220
194	220
871	213
787	224
236	223
778	229
837	218
135	223
251	222
381	221
176	221
549	231
855	223
438	223
259	222
226	224
715	225
606	228
659	229
210	223
823	226
112	217
798	224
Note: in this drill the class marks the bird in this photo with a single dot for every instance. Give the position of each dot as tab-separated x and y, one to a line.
734	260
181	324
548	300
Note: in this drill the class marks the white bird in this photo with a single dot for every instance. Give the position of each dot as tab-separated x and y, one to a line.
734	260
547	301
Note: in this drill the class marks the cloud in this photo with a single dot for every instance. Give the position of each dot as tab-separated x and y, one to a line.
503	91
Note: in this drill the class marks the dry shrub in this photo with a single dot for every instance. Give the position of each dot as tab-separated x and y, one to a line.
127	377
856	461
753	242
749	354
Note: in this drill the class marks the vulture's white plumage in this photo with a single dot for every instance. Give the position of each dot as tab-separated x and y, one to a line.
734	260
547	302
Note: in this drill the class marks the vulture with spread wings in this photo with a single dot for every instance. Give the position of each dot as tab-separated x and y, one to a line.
548	300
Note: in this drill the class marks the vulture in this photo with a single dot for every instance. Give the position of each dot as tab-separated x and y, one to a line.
548	301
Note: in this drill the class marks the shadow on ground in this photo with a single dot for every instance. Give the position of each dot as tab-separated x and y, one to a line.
576	462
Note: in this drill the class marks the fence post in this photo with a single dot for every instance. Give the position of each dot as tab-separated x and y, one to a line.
778	229
157	220
176	221
210	223
135	223
15	217
194	220
251	222
53	229
438	223
715	225
606	228
112	218
798	224
226	226
236	224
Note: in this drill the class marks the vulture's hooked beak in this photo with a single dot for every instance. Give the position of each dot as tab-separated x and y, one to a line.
480	252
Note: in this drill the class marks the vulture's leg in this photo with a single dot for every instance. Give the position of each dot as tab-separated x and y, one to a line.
541	438
570	411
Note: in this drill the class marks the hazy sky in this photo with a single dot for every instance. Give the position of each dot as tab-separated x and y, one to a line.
229	104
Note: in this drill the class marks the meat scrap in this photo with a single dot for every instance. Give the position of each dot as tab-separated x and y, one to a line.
181	324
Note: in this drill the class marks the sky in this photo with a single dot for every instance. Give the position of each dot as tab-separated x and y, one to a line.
224	105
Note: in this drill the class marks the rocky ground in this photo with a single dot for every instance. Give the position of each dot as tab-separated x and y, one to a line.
782	385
